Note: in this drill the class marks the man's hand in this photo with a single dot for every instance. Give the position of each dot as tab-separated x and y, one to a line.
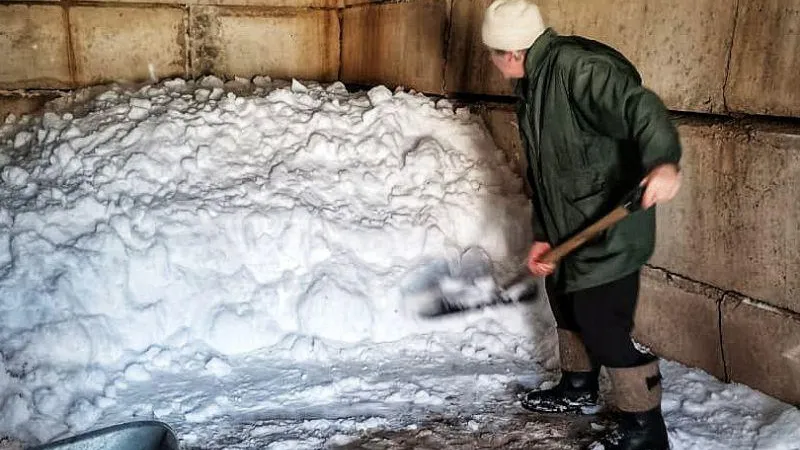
537	267
662	184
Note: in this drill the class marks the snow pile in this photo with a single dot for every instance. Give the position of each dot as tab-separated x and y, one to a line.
181	218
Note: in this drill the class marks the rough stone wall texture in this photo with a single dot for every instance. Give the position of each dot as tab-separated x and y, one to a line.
395	44
468	65
736	221
681	48
127	43
34	45
679	320
282	43
762	347
764	76
707	56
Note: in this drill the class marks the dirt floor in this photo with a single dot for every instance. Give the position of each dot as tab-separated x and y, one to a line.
520	431
8	444
513	429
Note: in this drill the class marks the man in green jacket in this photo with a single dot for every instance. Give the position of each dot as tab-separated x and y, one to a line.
591	133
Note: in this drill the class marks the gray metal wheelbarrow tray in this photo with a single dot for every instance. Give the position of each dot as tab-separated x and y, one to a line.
140	435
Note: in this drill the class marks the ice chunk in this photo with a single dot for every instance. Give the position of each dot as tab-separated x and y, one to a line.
379	94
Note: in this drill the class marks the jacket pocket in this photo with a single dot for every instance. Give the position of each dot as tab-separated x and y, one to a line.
591	206
586	191
585	196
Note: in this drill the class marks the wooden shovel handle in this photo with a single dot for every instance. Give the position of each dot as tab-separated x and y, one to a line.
609	220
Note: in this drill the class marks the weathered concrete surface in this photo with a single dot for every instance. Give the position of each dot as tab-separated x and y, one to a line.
762	348
735	223
33	42
765	63
270	3
281	43
501	121
127	43
681	48
679	320
469	69
19	105
346	3
395	44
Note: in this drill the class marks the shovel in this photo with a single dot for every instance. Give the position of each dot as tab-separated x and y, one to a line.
523	287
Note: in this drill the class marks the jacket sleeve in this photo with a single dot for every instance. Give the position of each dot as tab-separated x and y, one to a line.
539	235
613	100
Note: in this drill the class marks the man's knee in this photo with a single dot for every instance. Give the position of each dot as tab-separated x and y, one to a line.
621	357
613	348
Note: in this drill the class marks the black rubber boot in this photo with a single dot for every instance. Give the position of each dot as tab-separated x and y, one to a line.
637	431
576	393
638	397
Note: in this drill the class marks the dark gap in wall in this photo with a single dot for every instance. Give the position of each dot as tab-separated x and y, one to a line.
34	93
727	293
721	295
482	98
38	3
355	87
250	10
373	2
123	4
702	117
761	119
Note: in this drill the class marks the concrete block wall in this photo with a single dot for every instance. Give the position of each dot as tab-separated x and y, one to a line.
721	291
763	76
705	56
284	43
396	44
53	46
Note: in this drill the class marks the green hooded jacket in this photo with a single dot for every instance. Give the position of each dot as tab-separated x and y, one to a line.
591	132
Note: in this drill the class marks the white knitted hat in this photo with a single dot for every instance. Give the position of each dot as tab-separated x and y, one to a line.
511	25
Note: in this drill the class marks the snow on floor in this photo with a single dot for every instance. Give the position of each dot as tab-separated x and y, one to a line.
247	268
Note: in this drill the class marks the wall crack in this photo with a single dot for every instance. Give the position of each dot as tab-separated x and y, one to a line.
730	58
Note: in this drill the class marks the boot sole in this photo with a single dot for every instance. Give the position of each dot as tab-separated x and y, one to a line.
576	409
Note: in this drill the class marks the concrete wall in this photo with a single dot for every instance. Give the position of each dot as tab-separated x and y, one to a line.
396	44
736	223
721	292
706	56
283	43
64	45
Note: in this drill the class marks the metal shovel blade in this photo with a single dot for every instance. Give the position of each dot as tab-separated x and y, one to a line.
521	289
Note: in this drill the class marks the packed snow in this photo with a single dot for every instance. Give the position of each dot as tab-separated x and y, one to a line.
245	262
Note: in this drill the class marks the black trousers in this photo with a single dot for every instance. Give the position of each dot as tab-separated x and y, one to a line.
603	315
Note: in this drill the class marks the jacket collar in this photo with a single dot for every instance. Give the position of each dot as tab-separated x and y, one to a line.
537	52
534	57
